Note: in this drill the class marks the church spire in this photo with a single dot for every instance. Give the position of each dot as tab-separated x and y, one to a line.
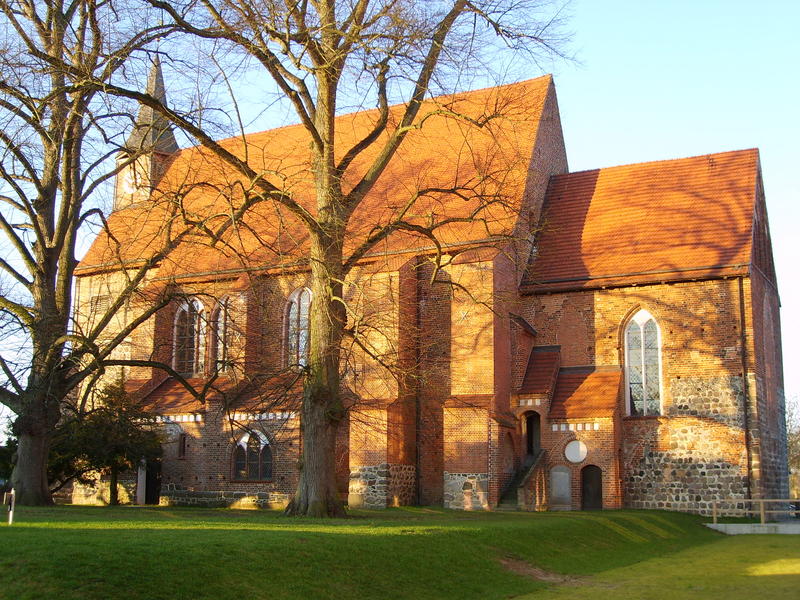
149	149
152	132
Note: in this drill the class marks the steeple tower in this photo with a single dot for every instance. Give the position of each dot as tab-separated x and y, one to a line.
148	149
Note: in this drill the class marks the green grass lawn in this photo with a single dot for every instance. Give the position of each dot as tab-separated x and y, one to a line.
153	553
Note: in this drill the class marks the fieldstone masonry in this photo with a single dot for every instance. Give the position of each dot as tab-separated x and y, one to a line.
695	455
369	486
717	398
466	491
379	486
173	496
402	482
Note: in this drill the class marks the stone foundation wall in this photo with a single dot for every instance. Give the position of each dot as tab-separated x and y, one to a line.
402	483
379	486
222	499
369	486
682	464
717	398
466	491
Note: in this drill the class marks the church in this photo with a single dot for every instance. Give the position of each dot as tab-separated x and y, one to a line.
540	340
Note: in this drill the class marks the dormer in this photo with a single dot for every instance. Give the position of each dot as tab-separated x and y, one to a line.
148	150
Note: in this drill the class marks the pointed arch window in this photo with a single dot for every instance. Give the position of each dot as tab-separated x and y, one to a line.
252	458
189	338
297	327
222	327
643	365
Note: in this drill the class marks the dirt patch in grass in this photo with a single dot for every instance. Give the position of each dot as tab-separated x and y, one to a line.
526	569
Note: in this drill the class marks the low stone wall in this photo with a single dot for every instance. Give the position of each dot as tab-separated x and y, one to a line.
222	499
466	491
97	494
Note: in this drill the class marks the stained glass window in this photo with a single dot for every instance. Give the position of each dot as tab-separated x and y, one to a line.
252	459
642	365
297	327
189	339
222	334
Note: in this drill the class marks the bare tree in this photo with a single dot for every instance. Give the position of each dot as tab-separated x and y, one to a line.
58	140
325	55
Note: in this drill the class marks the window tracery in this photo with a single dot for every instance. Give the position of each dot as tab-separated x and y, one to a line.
643	365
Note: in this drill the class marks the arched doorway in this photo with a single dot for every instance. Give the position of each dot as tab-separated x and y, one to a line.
591	488
533	437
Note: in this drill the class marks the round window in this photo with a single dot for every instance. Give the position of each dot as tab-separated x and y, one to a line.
576	451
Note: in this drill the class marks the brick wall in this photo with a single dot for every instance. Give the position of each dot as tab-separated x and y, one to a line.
696	450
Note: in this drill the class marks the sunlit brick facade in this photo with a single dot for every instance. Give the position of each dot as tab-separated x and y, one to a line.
505	374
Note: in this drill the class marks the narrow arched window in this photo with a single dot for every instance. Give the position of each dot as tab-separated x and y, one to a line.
297	327
239	462
189	342
221	324
252	458
643	365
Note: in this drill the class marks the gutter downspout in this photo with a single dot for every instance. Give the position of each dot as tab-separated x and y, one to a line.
745	388
417	375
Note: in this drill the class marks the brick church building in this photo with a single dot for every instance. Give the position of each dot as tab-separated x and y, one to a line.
599	339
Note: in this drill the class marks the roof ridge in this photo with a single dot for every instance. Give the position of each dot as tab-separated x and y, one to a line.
753	150
548	77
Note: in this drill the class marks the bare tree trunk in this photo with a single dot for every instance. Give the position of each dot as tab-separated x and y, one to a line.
113	492
317	494
30	471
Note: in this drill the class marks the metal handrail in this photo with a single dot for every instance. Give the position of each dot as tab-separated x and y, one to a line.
762	511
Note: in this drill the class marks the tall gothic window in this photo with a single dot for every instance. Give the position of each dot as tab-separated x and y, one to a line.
252	458
297	327
643	365
189	342
221	324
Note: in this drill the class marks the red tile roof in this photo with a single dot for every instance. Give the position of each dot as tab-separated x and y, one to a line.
171	398
443	151
659	221
586	392
543	365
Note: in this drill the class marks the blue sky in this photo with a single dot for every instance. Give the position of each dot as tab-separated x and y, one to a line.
659	80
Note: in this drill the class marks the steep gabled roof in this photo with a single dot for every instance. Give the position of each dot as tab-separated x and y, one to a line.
659	221
445	150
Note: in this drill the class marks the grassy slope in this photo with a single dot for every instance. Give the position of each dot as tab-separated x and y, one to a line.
141	553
